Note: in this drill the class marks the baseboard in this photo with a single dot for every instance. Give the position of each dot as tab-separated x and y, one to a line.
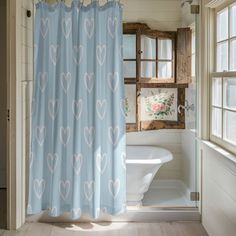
132	215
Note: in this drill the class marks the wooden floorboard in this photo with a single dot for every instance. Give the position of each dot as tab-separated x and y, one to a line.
110	229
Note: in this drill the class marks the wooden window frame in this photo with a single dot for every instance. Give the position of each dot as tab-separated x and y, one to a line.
142	29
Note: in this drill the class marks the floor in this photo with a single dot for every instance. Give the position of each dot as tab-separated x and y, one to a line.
3	208
110	229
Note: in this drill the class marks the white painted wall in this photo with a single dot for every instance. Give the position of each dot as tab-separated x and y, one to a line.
218	191
3	95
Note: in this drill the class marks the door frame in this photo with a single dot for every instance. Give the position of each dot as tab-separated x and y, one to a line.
15	160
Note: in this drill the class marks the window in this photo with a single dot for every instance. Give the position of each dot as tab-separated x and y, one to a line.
223	80
153	91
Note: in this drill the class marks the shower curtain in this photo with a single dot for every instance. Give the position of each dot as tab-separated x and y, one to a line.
77	161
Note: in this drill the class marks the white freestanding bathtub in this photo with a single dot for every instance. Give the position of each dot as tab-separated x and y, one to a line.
142	163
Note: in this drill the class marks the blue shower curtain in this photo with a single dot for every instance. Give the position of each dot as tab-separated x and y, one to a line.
77	161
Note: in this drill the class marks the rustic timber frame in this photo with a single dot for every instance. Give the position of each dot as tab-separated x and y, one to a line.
182	51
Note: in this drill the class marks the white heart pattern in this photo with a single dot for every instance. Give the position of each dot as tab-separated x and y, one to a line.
64	189
39	187
65	135
53	211
78	53
112	26
89	81
54	53
77	106
101	53
66	27
44	27
101	106
77	163
89	189
114	187
101	162
43	78
76	212
40	134
29	209
66	81
53	108
52	160
113	134
89	27
113	80
89	133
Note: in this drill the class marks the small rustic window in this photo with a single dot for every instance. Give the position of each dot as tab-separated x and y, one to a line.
152	92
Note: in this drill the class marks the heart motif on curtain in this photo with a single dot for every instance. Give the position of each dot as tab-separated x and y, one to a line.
66	26
101	53
39	187
66	81
52	160
101	162
78	53
64	189
53	108
43	78
101	107
76	212
65	135
113	134
77	163
113	79
53	211
89	189
44	27
89	81
54	54
89	27
89	133
114	187
40	134
122	107
112	26
77	106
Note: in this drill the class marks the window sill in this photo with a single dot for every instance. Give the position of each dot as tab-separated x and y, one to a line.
226	154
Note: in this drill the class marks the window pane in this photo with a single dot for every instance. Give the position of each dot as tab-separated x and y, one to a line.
148	69
164	49
230	126
222	25
129	69
217	92
164	70
233	54
222	56
233	21
216	121
148	47
129	46
230	93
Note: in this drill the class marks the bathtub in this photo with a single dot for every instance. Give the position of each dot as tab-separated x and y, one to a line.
142	163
